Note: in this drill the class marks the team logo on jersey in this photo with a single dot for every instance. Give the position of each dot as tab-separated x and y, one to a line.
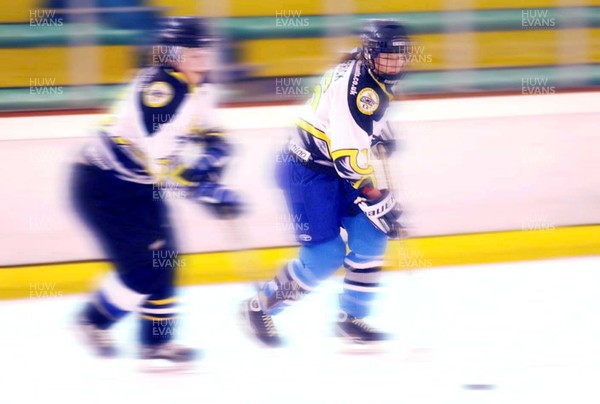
367	101
158	94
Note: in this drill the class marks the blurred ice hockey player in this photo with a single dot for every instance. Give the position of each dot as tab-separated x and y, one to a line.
329	183
161	137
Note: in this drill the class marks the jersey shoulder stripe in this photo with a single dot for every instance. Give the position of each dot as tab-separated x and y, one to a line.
161	92
367	98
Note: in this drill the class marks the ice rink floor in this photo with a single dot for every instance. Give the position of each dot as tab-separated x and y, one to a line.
505	333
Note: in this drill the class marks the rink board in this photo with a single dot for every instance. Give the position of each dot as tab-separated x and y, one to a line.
466	166
481	180
251	265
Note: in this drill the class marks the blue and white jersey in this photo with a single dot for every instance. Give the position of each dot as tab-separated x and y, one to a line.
159	130
339	121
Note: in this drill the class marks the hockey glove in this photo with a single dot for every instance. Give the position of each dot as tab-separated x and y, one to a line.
222	202
388	145
201	172
384	212
385	138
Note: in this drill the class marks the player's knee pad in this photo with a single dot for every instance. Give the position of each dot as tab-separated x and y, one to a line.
150	268
363	237
323	259
114	298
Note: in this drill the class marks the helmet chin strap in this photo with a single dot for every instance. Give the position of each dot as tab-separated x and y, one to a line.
391	81
380	77
386	78
383	83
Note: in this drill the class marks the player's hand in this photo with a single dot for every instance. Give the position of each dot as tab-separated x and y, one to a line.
384	212
201	171
222	202
385	140
371	193
378	143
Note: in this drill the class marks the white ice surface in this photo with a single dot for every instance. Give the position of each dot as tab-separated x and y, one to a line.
528	331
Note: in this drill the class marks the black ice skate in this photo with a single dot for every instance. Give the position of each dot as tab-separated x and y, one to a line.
259	324
99	340
355	330
166	357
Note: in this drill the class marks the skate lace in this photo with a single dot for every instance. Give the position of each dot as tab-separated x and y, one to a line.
360	323
268	323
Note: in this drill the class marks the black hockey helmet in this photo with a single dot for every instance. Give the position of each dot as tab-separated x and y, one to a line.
187	32
383	36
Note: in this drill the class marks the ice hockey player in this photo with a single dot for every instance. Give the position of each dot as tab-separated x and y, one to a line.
161	139
329	183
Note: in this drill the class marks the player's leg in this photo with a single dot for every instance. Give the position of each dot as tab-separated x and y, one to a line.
361	281
296	279
96	196
159	320
313	202
134	230
315	262
111	302
152	269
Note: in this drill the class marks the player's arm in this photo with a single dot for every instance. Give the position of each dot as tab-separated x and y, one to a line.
215	150
201	169
162	106
211	153
383	137
379	205
350	125
215	153
178	152
350	143
221	201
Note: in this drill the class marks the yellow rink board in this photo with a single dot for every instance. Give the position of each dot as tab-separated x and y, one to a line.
109	64
204	268
310	56
18	11
245	8
77	65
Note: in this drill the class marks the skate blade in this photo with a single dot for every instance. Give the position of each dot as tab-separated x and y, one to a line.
162	366
351	346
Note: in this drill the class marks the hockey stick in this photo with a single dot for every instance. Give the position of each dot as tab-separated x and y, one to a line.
386	169
389	179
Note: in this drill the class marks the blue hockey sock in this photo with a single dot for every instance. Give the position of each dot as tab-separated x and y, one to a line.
361	284
363	265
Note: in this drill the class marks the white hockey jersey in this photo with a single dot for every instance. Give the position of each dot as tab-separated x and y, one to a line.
159	130
338	123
